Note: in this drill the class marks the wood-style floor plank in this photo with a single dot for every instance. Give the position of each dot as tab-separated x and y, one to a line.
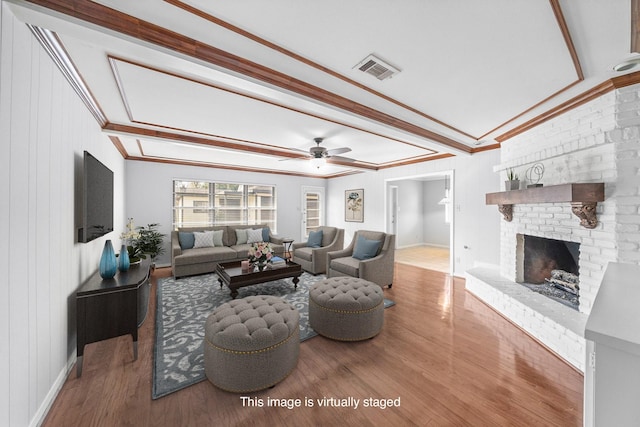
449	358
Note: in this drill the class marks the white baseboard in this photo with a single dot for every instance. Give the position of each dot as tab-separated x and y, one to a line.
43	410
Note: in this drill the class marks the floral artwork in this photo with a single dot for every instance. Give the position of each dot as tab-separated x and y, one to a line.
354	205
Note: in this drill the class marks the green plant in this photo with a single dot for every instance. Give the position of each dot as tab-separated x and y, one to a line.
149	242
511	175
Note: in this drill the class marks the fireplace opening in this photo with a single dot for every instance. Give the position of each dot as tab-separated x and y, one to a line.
550	267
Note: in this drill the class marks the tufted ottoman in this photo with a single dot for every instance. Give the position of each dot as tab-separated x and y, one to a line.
251	343
346	308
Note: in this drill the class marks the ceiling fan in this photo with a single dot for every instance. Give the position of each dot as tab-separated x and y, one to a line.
319	154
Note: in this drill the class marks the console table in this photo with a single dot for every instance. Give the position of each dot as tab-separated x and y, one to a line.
108	308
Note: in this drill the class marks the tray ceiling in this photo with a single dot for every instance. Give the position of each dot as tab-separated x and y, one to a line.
249	85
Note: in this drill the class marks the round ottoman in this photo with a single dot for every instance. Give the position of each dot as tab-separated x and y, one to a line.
346	308
251	343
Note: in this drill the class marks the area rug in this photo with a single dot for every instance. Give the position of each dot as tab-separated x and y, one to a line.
183	306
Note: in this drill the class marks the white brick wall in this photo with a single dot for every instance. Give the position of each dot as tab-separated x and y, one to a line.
597	142
576	147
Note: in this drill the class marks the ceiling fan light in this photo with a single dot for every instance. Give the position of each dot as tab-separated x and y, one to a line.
318	162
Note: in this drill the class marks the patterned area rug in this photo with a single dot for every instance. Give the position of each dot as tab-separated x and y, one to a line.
183	306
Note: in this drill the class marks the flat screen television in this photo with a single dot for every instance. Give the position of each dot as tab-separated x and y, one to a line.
97	199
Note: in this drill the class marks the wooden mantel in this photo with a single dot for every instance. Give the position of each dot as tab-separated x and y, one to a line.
583	198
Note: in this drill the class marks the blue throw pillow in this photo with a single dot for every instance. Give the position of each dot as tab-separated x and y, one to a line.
186	239
265	234
315	239
366	248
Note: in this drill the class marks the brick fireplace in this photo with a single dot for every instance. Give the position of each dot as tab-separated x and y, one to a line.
598	142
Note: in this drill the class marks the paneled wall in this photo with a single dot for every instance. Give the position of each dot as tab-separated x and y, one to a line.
44	128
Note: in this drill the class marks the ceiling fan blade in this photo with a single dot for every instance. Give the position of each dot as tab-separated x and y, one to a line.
296	158
341	159
336	151
297	150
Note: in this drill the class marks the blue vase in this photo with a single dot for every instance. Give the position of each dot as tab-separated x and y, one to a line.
123	259
108	263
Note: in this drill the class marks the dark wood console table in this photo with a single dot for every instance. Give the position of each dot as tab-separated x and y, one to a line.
108	308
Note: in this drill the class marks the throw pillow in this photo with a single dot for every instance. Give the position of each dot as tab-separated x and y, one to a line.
366	248
217	238
254	236
203	239
315	239
241	236
266	233
186	239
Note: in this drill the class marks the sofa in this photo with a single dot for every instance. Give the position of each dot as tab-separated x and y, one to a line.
312	256
189	258
369	256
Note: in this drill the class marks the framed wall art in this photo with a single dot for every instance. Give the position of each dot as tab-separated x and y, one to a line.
354	205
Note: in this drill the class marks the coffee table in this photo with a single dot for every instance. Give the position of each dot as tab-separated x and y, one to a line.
232	275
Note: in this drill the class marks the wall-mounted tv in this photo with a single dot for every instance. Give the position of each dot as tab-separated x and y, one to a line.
97	199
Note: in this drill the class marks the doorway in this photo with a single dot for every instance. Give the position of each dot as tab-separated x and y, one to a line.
312	209
419	211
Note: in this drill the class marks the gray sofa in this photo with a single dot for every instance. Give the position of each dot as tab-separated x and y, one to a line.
377	269
191	261
314	260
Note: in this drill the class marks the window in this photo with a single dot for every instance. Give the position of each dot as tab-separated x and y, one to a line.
201	203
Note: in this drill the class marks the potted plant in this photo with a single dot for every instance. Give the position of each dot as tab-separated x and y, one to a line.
148	242
512	182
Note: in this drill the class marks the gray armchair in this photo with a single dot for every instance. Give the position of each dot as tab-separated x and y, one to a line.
377	269
314	260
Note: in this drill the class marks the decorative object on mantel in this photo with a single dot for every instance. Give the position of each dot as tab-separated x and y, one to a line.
534	174
583	197
123	258
512	182
108	264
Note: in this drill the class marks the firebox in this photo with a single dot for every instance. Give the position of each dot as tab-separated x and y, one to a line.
550	267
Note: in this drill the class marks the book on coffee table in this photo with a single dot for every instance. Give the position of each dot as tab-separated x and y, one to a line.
276	262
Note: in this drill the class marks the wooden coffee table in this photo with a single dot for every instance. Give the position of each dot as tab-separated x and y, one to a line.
232	275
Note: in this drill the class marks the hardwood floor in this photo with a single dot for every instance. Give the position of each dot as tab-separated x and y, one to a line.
450	359
430	257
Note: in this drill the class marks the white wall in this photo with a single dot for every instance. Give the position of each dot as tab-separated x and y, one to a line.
44	128
150	193
410	213
436	229
477	226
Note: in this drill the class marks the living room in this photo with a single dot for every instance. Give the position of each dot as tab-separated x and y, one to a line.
45	128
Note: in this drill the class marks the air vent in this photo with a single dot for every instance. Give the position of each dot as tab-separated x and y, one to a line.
377	67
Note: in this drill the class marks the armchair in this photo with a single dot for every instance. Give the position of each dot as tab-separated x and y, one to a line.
377	269
314	260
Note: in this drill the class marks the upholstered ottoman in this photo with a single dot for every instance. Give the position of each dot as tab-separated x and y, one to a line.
251	343
346	308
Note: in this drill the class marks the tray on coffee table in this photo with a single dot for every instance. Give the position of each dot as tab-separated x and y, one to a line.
232	275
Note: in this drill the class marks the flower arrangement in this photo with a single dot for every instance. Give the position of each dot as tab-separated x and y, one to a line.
260	253
128	238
